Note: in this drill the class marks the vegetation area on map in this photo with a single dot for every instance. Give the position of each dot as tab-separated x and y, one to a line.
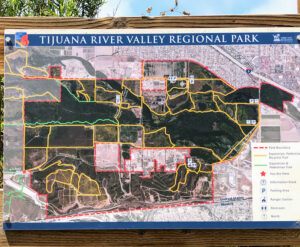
99	144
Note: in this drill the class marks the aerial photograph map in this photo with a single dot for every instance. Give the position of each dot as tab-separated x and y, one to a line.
151	126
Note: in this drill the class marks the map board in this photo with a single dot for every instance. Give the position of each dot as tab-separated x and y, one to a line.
165	128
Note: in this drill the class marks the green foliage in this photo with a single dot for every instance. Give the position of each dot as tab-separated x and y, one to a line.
61	8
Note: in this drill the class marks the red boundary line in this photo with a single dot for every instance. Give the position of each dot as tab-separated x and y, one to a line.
191	61
131	210
38	194
55	67
155	167
154	90
283	102
119	157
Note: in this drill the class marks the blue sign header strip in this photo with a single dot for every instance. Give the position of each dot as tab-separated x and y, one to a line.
165	39
152	225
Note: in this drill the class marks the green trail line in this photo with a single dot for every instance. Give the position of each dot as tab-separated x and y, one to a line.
19	194
72	122
58	122
7	124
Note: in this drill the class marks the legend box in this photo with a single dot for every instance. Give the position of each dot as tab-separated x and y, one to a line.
276	181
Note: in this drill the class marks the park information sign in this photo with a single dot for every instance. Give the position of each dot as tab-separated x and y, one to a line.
165	128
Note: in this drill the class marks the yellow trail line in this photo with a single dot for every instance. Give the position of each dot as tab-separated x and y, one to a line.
215	93
158	130
188	171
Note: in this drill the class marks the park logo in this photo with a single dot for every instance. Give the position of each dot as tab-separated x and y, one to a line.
21	39
276	37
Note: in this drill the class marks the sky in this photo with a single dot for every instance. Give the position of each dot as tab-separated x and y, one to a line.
198	7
